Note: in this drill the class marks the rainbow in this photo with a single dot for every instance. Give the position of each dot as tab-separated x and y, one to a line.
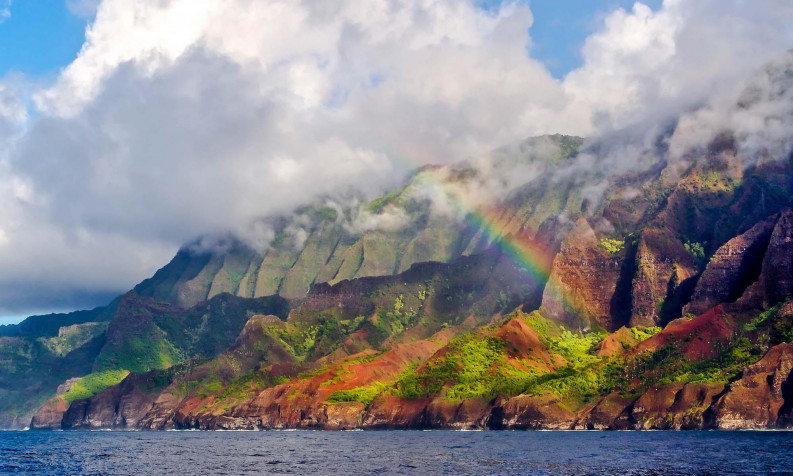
520	246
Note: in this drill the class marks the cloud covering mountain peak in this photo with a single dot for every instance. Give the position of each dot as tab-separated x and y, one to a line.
181	117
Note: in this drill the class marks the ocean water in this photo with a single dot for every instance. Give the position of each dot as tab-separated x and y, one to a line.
397	452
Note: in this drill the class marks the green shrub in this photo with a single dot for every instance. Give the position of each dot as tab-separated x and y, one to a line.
578	348
377	205
208	388
611	245
364	395
542	326
697	250
94	383
782	332
763	318
568	382
244	385
140	354
477	366
327	214
641	333
467	367
667	364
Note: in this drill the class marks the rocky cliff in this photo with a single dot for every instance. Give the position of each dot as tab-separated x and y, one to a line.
331	242
535	289
438	345
529	379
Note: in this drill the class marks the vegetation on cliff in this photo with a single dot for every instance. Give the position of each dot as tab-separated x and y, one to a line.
553	308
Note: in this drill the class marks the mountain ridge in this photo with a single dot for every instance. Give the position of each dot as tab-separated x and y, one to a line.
549	285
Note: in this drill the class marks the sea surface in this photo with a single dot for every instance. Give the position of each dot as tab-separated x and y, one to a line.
397	452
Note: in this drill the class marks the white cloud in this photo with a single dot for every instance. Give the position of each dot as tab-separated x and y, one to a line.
758	114
390	218
645	65
184	117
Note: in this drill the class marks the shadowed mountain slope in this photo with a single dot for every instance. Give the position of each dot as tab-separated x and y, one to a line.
551	284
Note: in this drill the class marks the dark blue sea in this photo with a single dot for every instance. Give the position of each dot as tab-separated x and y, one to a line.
399	452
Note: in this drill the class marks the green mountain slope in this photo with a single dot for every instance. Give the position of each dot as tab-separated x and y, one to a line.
548	285
364	241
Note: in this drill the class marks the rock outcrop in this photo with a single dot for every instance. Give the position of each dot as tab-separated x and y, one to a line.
673	406
496	319
120	406
583	280
50	415
731	269
665	278
532	413
762	398
775	282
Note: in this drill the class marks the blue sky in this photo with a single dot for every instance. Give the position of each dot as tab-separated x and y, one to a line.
39	37
561	26
42	36
10	319
198	111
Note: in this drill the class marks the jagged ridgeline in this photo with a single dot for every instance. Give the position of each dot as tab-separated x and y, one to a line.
330	242
556	283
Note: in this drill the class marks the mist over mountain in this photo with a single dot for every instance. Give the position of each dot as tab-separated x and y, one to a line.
392	215
179	120
634	280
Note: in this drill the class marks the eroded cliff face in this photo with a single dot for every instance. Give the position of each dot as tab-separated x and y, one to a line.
151	339
775	282
50	415
700	245
300	403
145	400
660	305
655	388
762	397
731	269
120	406
380	353
328	242
429	348
665	275
583	281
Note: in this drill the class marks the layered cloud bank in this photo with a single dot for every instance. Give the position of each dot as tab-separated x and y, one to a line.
180	118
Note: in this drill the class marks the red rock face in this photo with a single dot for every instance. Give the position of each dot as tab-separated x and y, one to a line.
701	337
302	403
470	414
522	340
526	412
776	276
674	406
754	268
664	275
731	269
608	413
617	343
50	416
762	397
391	412
583	281
120	406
